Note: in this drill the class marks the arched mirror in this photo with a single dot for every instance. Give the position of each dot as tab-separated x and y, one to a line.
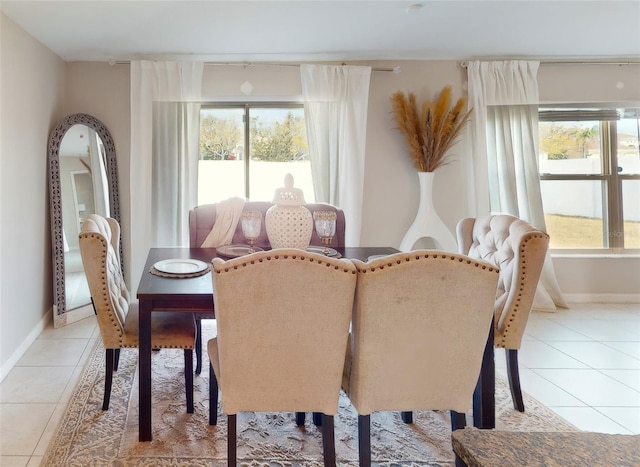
83	179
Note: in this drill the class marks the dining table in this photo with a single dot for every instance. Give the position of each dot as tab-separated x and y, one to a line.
195	295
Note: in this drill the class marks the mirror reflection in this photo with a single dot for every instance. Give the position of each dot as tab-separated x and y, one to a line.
82	180
83	190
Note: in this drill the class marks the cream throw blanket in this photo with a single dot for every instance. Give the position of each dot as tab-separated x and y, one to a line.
227	216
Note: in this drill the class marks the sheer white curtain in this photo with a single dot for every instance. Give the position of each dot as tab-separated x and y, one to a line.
504	138
176	133
336	100
164	120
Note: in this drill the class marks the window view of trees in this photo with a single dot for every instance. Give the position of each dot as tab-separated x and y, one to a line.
275	140
569	142
282	140
219	137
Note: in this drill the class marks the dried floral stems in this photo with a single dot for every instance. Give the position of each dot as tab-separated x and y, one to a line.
432	131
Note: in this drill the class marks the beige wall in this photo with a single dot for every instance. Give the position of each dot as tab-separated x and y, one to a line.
38	89
589	83
31	104
102	90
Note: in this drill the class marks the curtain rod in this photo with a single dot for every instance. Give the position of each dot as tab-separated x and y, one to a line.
465	64
395	69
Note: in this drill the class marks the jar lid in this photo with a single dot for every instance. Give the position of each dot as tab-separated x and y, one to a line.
288	195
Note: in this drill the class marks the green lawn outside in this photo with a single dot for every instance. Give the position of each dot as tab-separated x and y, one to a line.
584	232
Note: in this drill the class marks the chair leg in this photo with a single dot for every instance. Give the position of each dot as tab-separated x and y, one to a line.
317	418
514	379
300	417
108	377
328	441
116	359
458	420
198	346
213	397
231	441
407	417
460	462
364	440
188	378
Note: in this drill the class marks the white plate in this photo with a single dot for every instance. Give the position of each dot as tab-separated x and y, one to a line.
180	266
235	251
320	249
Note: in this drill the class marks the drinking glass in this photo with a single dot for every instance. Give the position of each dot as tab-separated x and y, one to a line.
251	222
325	223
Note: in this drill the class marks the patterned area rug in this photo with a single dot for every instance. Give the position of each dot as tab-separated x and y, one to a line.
88	436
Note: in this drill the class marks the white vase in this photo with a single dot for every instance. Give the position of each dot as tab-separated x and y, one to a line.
288	223
289	226
427	223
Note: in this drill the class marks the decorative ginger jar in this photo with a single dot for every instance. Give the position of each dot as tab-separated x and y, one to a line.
289	224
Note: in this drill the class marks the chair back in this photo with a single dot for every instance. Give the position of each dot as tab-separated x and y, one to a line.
202	218
420	325
518	249
99	246
283	321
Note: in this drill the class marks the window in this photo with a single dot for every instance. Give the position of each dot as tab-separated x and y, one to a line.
589	166
247	149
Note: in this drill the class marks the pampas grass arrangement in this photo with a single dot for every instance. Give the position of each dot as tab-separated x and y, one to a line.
431	130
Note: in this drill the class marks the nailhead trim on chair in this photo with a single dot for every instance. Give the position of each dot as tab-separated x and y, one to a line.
301	257
103	281
514	311
452	257
105	296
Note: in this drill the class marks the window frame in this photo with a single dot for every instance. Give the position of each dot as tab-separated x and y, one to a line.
611	180
246	120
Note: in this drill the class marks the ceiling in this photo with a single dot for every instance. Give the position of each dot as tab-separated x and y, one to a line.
338	30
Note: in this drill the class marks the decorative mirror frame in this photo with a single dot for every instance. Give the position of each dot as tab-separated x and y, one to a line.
55	199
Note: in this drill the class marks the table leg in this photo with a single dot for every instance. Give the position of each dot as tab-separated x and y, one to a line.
484	396
144	368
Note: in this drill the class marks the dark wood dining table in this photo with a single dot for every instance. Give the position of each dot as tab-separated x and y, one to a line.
195	295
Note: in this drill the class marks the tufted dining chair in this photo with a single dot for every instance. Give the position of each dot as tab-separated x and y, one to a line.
202	218
419	328
518	249
283	321
117	314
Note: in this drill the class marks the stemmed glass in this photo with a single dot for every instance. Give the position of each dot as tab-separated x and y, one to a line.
251	222
325	223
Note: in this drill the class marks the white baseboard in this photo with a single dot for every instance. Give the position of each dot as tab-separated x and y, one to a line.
20	351
601	298
58	321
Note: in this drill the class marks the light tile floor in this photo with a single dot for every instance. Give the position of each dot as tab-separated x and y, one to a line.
34	395
583	363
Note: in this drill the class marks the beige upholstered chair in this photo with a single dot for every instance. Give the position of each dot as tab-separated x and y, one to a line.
519	250
283	321
118	314
419	328
202	218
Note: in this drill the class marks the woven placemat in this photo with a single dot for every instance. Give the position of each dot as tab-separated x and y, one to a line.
171	275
